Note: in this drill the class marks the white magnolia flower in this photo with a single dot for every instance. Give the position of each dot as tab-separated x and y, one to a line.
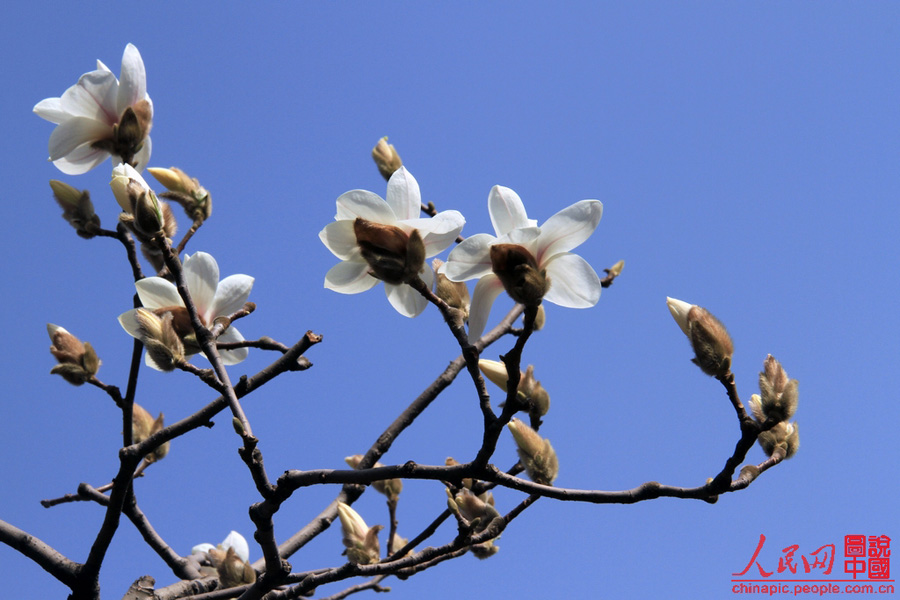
212	298
386	240
234	540
572	281
101	115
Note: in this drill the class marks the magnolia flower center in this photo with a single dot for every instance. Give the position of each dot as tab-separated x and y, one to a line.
518	271
392	255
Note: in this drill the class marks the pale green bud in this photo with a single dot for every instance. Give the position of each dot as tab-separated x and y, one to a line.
537	455
360	540
386	158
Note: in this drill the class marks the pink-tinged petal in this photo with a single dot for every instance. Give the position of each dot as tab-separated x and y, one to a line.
507	211
156	292
73	132
470	259
50	109
340	239
407	301
201	274
403	195
80	160
486	291
573	283
438	232
232	357
133	79
231	295
94	96
129	323
568	228
349	277
365	205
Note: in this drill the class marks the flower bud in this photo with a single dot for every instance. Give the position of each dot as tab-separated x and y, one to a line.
386	158
186	190
143	426
616	269
78	210
519	273
393	255
148	214
531	393
476	513
779	394
360	540
454	293
389	487
535	452
713	348
467	482
784	438
159	336
77	361
231	568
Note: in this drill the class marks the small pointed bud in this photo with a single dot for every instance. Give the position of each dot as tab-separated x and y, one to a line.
360	540
495	371
162	450
78	361
234	571
616	269
535	452
148	215
536	397
186	190
779	393
386	158
784	439
78	210
518	271
540	318
713	348
454	293
471	509
141	423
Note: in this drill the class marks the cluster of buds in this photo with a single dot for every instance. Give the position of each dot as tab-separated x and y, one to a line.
519	273
389	487
475	514
386	158
360	540
713	348
143	426
530	393
78	210
144	214
77	360
536	454
454	293
777	401
185	190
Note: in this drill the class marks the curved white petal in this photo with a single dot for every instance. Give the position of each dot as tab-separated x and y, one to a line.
407	301
50	109
403	195
133	79
486	291
349	277
365	205
201	274
440	231
573	283
340	239
80	160
231	294
507	211
73	132
237	541
94	96
568	228
201	548
527	237
156	292
129	323
233	357
470	259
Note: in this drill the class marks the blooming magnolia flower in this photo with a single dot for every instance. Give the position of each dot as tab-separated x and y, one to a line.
212	298
386	240
234	540
542	253
101	115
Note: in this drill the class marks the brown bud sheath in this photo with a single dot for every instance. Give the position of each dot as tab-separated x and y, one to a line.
519	273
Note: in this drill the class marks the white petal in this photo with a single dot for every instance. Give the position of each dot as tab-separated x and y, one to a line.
438	232
527	237
403	195
340	239
201	548
486	291
201	274
133	80
573	283
129	323
233	357
51	110
568	228
94	97
507	211
470	259
81	160
236	541
349	277
365	205
407	301
680	310
156	292
73	132
231	294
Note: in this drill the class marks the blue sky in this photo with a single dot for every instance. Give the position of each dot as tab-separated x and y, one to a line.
746	156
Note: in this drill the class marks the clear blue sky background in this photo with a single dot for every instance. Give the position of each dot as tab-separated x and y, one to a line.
747	158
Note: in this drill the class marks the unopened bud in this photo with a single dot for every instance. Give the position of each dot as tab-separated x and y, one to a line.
389	487
779	394
386	158
713	348
530	392
616	269
78	210
535	452
467	482
393	255
360	540
77	361
143	426
540	318
454	293
472	510
159	336
784	438
518	271
186	190
231	568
